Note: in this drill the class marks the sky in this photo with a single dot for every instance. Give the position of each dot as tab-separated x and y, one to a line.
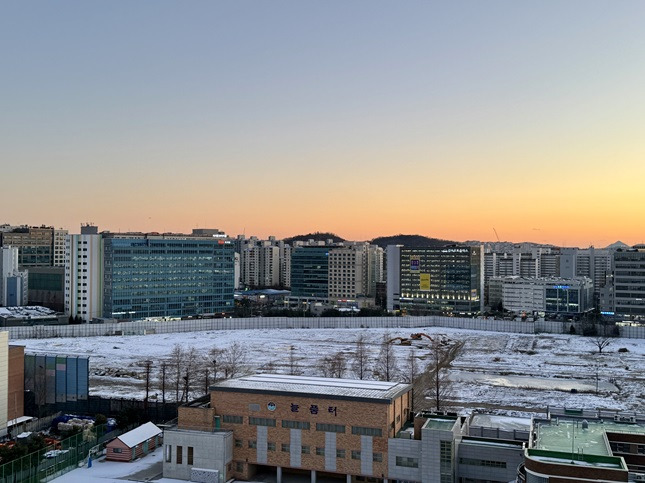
451	119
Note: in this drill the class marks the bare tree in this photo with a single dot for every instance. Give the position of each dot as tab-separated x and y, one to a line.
176	363
385	366
294	366
234	359
204	371
162	380
147	366
269	367
360	359
601	342
334	366
412	367
191	359
440	387
215	357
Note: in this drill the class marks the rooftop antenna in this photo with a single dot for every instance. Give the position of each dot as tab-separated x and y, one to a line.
496	234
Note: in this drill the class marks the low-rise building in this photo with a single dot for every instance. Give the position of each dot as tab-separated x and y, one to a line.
553	295
134	444
283	425
578	445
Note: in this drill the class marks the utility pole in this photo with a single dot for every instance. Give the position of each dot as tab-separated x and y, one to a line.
163	384
597	379
147	365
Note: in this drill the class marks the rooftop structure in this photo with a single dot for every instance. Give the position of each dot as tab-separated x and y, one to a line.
608	447
331	388
589	438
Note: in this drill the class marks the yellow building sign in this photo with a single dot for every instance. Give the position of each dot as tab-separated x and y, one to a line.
424	281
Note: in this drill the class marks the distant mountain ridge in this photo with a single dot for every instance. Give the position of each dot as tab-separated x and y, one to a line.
616	245
411	241
317	236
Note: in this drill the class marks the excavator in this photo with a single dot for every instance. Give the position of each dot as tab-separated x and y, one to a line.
402	341
420	335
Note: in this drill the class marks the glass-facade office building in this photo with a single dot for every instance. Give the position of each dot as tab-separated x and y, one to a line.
445	280
166	277
310	272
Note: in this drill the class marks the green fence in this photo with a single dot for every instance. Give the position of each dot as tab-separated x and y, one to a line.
36	468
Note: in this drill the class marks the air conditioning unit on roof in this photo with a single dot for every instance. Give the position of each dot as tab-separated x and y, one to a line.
624	419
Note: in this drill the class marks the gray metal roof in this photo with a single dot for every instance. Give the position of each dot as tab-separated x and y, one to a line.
332	388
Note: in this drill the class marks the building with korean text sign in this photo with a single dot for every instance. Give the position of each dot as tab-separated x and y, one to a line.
283	425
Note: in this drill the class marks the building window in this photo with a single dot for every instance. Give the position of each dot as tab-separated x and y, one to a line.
360	430
168	453
340	453
356	455
190	455
320	451
253	444
270	446
378	457
261	421
305	450
229	418
445	461
295	424
117	450
330	428
620	447
285	448
238	443
486	463
180	451
239	466
407	462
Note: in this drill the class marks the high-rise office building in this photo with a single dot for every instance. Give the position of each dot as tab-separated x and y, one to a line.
166	275
35	245
444	280
629	282
310	272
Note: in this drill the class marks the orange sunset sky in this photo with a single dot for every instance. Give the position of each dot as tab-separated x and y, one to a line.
445	119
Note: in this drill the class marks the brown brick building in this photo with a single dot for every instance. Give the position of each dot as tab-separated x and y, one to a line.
16	386
292	425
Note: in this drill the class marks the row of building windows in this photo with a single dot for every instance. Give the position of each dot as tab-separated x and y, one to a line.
330	428
179	454
304	449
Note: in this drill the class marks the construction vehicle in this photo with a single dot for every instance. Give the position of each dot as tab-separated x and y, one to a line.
419	335
402	341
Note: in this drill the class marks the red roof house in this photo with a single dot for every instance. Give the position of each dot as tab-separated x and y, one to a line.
135	443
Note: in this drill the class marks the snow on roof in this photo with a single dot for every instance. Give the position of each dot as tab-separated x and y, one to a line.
502	422
139	435
330	387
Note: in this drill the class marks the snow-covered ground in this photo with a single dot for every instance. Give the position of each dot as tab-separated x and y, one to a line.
512	371
103	471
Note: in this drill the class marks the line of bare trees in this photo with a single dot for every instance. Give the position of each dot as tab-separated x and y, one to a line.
187	373
427	372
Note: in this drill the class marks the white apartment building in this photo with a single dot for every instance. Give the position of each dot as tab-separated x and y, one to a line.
347	272
263	263
354	270
84	276
285	264
13	282
589	262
